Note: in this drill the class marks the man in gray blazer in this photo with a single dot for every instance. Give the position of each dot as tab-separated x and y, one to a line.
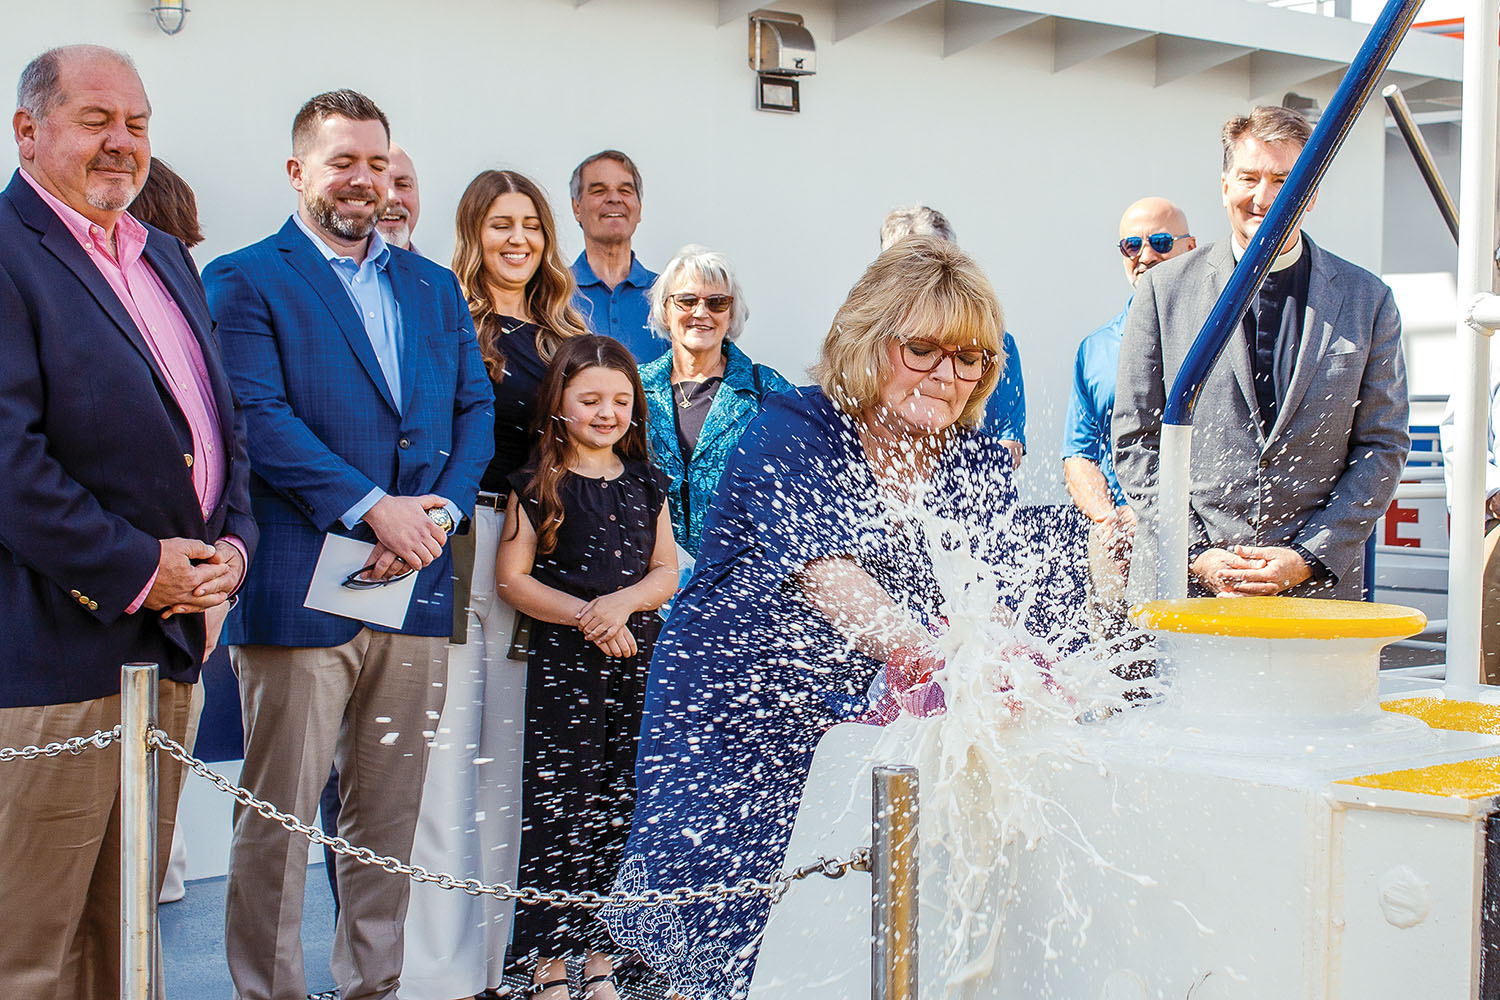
1300	433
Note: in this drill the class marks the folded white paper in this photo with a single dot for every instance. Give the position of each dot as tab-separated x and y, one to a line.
386	606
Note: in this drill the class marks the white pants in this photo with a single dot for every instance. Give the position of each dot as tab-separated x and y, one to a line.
470	822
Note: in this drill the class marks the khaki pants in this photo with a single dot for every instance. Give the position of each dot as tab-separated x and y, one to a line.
370	706
60	848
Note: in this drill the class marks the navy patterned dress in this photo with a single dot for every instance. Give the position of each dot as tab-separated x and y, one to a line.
747	676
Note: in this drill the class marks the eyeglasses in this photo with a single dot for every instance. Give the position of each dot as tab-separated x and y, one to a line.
1162	243
354	581
969	363
687	302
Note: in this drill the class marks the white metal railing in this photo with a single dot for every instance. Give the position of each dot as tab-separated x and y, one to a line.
1422	479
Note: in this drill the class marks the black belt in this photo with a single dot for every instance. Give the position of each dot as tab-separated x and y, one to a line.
495	501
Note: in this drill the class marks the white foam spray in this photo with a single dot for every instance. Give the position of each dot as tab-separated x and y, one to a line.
1017	705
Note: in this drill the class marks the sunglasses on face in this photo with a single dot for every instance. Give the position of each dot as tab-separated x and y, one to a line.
1162	243
969	363
687	302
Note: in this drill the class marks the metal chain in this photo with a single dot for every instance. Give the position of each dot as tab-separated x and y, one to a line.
77	745
773	888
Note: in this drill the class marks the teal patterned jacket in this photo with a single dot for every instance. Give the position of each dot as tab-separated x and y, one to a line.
735	405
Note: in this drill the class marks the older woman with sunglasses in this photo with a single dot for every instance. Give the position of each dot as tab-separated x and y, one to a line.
815	575
702	394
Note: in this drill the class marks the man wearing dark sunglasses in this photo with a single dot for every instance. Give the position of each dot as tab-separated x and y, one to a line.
1151	230
1300	433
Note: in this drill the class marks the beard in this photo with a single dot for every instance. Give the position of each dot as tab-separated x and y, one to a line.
324	211
107	201
111	197
396	232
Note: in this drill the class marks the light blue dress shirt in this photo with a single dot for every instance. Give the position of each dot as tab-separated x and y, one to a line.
1086	432
369	288
1005	410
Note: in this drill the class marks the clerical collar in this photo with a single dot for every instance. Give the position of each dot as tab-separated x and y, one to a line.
1283	261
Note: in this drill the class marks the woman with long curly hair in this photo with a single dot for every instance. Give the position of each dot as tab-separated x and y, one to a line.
520	293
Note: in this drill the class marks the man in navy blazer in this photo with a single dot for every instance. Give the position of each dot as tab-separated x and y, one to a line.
124	506
368	415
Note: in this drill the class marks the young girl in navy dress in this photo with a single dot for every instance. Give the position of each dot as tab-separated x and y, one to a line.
590	558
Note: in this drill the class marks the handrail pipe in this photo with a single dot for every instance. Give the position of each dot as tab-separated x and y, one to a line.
1395	103
1471	396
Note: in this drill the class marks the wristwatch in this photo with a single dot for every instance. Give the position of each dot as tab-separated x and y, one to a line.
442	519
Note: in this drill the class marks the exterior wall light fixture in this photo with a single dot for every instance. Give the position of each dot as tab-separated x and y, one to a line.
781	50
170	15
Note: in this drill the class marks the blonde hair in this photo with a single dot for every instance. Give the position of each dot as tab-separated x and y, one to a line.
923	286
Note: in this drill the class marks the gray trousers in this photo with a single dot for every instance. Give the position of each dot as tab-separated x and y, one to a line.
370	707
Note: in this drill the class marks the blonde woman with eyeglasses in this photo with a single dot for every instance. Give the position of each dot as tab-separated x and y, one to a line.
811	580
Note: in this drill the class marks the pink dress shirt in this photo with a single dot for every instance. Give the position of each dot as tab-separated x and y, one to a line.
167	333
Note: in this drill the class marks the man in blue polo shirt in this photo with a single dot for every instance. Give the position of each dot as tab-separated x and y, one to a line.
1151	230
612	284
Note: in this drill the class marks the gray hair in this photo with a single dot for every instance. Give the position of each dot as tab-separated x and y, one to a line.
575	183
39	90
708	266
918	220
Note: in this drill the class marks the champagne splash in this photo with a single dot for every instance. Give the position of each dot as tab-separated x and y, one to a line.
1013	706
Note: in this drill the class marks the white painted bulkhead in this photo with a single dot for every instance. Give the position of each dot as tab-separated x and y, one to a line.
1033	166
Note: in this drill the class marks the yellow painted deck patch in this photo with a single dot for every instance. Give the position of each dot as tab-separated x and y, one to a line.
1467	779
1441	713
1279	618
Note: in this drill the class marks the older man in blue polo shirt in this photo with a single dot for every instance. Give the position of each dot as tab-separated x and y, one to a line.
1151	230
612	284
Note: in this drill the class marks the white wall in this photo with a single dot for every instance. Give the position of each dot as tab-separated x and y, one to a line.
1421	263
1416	238
1033	167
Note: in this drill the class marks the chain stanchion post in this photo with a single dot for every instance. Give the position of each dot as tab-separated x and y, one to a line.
895	874
137	831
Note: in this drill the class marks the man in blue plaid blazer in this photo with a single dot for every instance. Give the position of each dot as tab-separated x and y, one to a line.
369	415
